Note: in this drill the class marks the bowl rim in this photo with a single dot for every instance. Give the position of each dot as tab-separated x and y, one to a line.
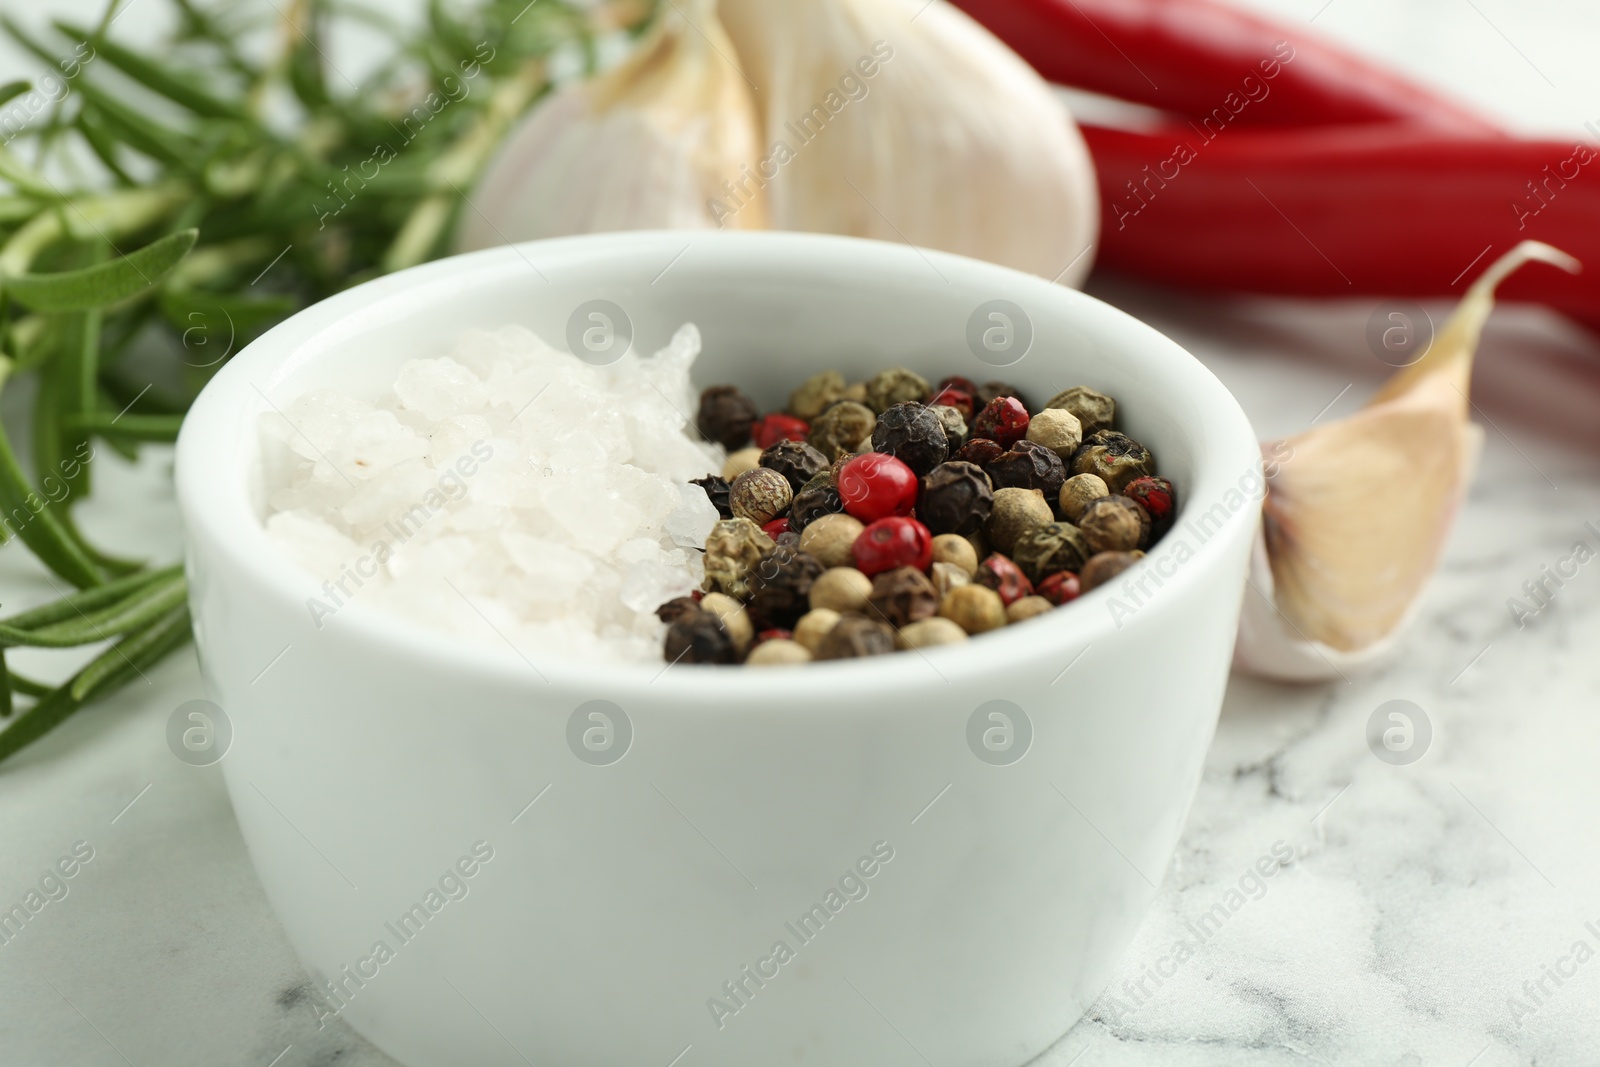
212	454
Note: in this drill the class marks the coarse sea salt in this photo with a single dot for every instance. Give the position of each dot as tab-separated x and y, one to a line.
507	492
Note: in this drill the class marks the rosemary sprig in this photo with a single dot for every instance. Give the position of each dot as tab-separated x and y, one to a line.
159	209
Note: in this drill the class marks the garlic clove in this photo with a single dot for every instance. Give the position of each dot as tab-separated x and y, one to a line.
1357	512
905	120
647	145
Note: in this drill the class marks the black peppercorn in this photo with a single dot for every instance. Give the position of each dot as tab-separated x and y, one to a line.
726	416
816	498
855	635
902	596
796	461
1115	458
699	637
716	488
1028	465
676	608
1054	546
914	434
956	498
780	587
979	450
990	390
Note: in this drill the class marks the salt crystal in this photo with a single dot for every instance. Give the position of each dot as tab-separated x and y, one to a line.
506	481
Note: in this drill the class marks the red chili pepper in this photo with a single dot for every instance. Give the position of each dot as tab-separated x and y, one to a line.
1383	209
1188	56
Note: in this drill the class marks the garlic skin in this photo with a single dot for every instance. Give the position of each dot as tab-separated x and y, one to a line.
1357	515
952	143
646	145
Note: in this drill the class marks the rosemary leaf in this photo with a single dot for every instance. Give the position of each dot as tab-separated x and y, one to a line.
72	605
175	87
120	662
136	611
32	518
128	427
104	283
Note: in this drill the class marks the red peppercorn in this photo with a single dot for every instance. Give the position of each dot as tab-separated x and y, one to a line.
778	427
957	381
776	528
774	635
1004	577
893	542
1059	588
951	397
875	486
1158	498
1003	419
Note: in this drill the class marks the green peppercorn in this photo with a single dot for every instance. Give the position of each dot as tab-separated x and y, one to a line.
1114	524
901	596
1094	411
837	431
726	416
796	461
1116	458
856	635
760	495
912	433
733	547
954	423
816	394
1054	546
894	386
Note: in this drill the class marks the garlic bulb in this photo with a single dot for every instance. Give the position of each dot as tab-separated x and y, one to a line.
907	121
647	145
1358	511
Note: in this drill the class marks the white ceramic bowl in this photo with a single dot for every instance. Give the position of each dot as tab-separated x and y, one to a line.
617	911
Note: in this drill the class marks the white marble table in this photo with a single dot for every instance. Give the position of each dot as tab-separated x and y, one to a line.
1423	905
